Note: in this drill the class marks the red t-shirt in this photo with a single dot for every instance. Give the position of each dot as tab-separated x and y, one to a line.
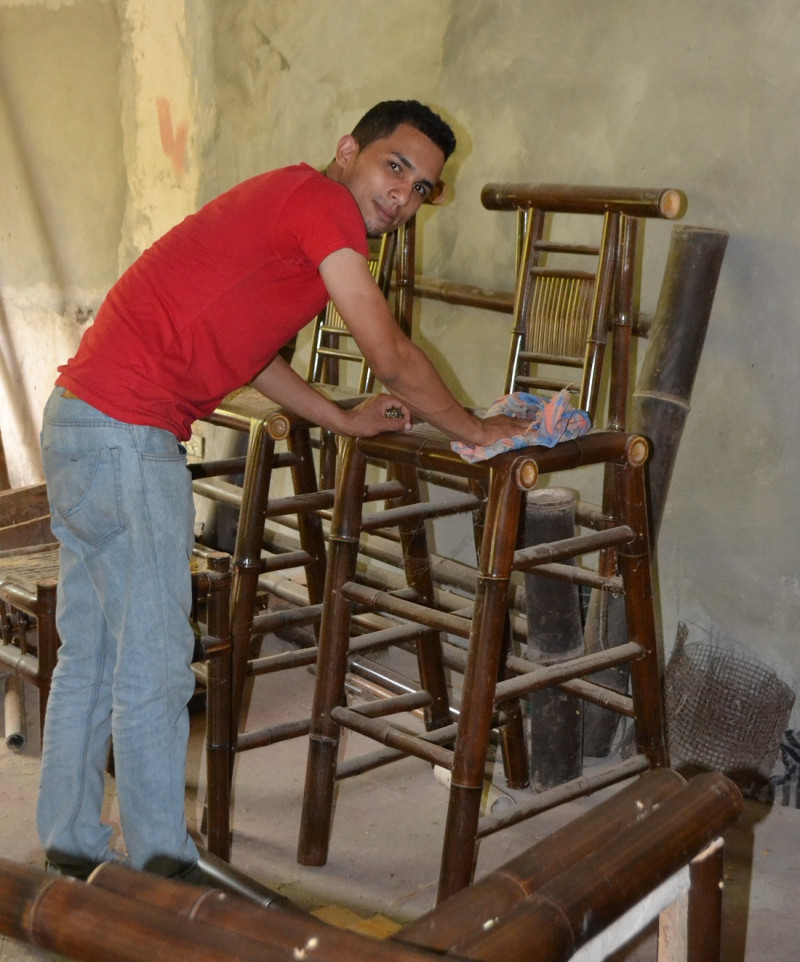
210	304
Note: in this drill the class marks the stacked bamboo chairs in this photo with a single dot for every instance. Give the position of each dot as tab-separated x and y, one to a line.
549	300
259	555
654	850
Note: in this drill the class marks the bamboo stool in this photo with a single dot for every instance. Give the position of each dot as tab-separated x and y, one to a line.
494	680
266	425
507	478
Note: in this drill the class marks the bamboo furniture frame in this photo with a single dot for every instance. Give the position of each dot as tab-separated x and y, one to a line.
29	645
29	648
332	347
27	547
655	845
494	680
266	426
328	351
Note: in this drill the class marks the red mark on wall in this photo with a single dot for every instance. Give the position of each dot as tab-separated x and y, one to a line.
173	140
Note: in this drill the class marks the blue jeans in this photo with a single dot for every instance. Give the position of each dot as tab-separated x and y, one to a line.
122	508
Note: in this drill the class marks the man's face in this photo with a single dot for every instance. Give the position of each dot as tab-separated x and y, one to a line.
390	178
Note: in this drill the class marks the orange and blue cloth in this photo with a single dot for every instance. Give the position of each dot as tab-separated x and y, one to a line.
546	422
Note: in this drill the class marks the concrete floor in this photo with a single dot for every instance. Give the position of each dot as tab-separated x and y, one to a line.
384	854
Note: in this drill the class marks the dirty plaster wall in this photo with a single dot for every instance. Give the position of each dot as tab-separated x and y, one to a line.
174	102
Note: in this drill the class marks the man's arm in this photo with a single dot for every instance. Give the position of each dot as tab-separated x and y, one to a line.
398	363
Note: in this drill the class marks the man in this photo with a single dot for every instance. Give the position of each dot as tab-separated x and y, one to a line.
203	311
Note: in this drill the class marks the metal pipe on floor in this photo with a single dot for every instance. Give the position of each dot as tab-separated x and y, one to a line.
14	712
223	875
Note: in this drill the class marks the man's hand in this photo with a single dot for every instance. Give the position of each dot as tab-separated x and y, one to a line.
377	414
498	427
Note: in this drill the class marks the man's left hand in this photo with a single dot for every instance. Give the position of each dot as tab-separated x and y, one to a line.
377	414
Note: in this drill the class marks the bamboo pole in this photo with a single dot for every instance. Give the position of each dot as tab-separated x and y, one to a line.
660	407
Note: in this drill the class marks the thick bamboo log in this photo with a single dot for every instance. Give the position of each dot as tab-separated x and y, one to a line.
659	411
127	916
569	910
661	401
464	913
72	919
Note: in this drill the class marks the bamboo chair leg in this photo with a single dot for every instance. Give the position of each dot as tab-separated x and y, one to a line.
483	662
334	635
247	557
217	653
310	529
47	643
417	560
512	731
634	560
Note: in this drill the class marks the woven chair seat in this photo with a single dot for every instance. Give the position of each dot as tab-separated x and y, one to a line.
26	567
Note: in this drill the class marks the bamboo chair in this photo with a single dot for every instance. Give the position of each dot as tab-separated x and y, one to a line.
258	556
333	348
493	678
28	569
29	645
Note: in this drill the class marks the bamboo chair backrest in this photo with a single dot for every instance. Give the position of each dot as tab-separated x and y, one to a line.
569	295
561	313
332	342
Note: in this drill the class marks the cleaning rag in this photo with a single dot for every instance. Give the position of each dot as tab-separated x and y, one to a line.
546	421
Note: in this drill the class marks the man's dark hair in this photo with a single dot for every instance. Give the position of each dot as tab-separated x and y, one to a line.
384	118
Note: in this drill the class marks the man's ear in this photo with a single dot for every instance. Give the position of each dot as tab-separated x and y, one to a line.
346	150
438	194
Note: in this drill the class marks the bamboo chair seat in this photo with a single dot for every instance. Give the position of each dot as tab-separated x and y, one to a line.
27	566
493	679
